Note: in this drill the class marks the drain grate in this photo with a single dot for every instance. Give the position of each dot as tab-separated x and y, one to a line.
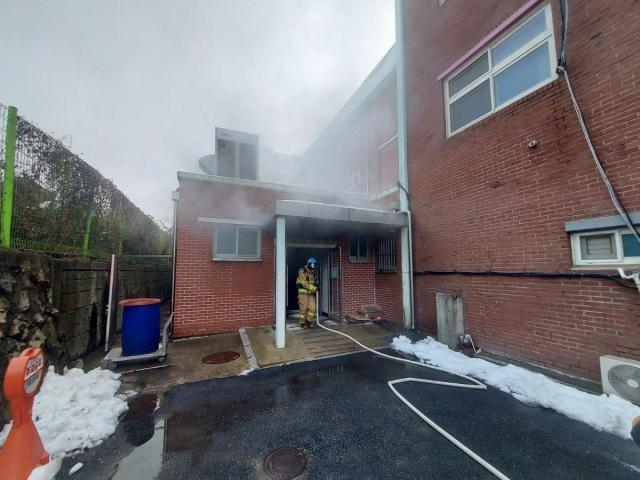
285	463
220	357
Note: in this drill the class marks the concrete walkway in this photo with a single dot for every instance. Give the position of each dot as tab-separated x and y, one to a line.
312	343
185	364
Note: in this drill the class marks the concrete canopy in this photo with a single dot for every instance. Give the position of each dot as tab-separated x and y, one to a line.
325	219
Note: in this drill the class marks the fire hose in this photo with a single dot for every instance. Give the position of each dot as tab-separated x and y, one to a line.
475	384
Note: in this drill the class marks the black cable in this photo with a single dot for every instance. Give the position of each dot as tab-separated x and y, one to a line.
563	69
564	22
404	189
493	273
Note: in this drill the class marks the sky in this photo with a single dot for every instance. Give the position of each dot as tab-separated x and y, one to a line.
139	85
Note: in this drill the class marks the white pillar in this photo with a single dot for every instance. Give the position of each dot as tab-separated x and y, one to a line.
281	281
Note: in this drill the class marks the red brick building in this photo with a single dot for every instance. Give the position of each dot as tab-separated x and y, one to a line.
502	183
227	270
467	124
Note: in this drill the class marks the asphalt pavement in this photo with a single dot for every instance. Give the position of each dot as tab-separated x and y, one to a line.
343	418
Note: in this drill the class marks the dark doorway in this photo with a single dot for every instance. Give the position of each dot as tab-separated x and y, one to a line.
296	259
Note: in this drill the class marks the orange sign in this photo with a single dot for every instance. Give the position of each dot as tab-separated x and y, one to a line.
33	374
23	451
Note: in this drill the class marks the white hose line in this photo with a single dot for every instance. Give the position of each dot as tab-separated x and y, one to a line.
476	384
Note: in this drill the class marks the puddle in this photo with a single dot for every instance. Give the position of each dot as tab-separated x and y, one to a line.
310	379
140	406
191	431
145	461
198	430
138	422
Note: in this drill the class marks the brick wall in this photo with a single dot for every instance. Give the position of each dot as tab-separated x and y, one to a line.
215	297
359	281
388	289
483	201
363	285
563	324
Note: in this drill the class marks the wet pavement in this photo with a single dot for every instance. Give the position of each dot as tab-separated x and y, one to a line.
341	414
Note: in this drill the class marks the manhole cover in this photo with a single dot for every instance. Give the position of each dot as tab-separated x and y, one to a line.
220	357
285	463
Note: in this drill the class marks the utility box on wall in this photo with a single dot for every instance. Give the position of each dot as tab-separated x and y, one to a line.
450	313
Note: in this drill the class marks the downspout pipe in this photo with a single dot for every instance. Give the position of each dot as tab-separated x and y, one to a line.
411	293
406	238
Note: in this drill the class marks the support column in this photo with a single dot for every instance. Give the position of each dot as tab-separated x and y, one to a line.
281	281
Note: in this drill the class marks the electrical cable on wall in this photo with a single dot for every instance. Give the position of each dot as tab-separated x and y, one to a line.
562	68
494	273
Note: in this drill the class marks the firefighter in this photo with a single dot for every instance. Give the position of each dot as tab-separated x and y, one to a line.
307	288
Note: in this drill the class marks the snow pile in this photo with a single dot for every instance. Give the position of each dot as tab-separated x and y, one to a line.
46	471
75	468
77	410
607	413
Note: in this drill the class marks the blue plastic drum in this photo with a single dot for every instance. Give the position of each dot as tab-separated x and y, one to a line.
140	326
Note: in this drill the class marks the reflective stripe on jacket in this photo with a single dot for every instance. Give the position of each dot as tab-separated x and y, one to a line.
306	282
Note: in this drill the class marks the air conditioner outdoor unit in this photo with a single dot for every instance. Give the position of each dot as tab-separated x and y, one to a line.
621	377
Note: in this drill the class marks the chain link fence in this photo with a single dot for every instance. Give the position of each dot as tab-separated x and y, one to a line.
63	206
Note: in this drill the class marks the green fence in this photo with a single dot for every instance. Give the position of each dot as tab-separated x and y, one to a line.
54	202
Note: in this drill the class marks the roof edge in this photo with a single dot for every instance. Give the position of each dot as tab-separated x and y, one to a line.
282	187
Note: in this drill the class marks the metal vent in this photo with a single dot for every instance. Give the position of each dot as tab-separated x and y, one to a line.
625	380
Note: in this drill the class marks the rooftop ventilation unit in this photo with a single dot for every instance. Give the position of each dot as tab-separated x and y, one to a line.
621	377
236	154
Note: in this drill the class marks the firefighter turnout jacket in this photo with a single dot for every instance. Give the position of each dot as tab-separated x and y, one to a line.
306	281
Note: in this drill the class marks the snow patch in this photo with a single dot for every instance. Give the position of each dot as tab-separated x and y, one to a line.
607	413
246	372
75	468
77	410
46	471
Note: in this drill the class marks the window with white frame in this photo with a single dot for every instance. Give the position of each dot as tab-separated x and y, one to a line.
609	247
513	66
358	248
236	242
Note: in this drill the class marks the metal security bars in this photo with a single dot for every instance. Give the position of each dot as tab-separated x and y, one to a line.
386	255
54	202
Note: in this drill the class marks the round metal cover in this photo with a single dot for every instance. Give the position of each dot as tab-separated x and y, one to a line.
285	463
625	379
220	357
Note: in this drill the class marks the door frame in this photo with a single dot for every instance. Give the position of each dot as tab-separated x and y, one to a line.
325	272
